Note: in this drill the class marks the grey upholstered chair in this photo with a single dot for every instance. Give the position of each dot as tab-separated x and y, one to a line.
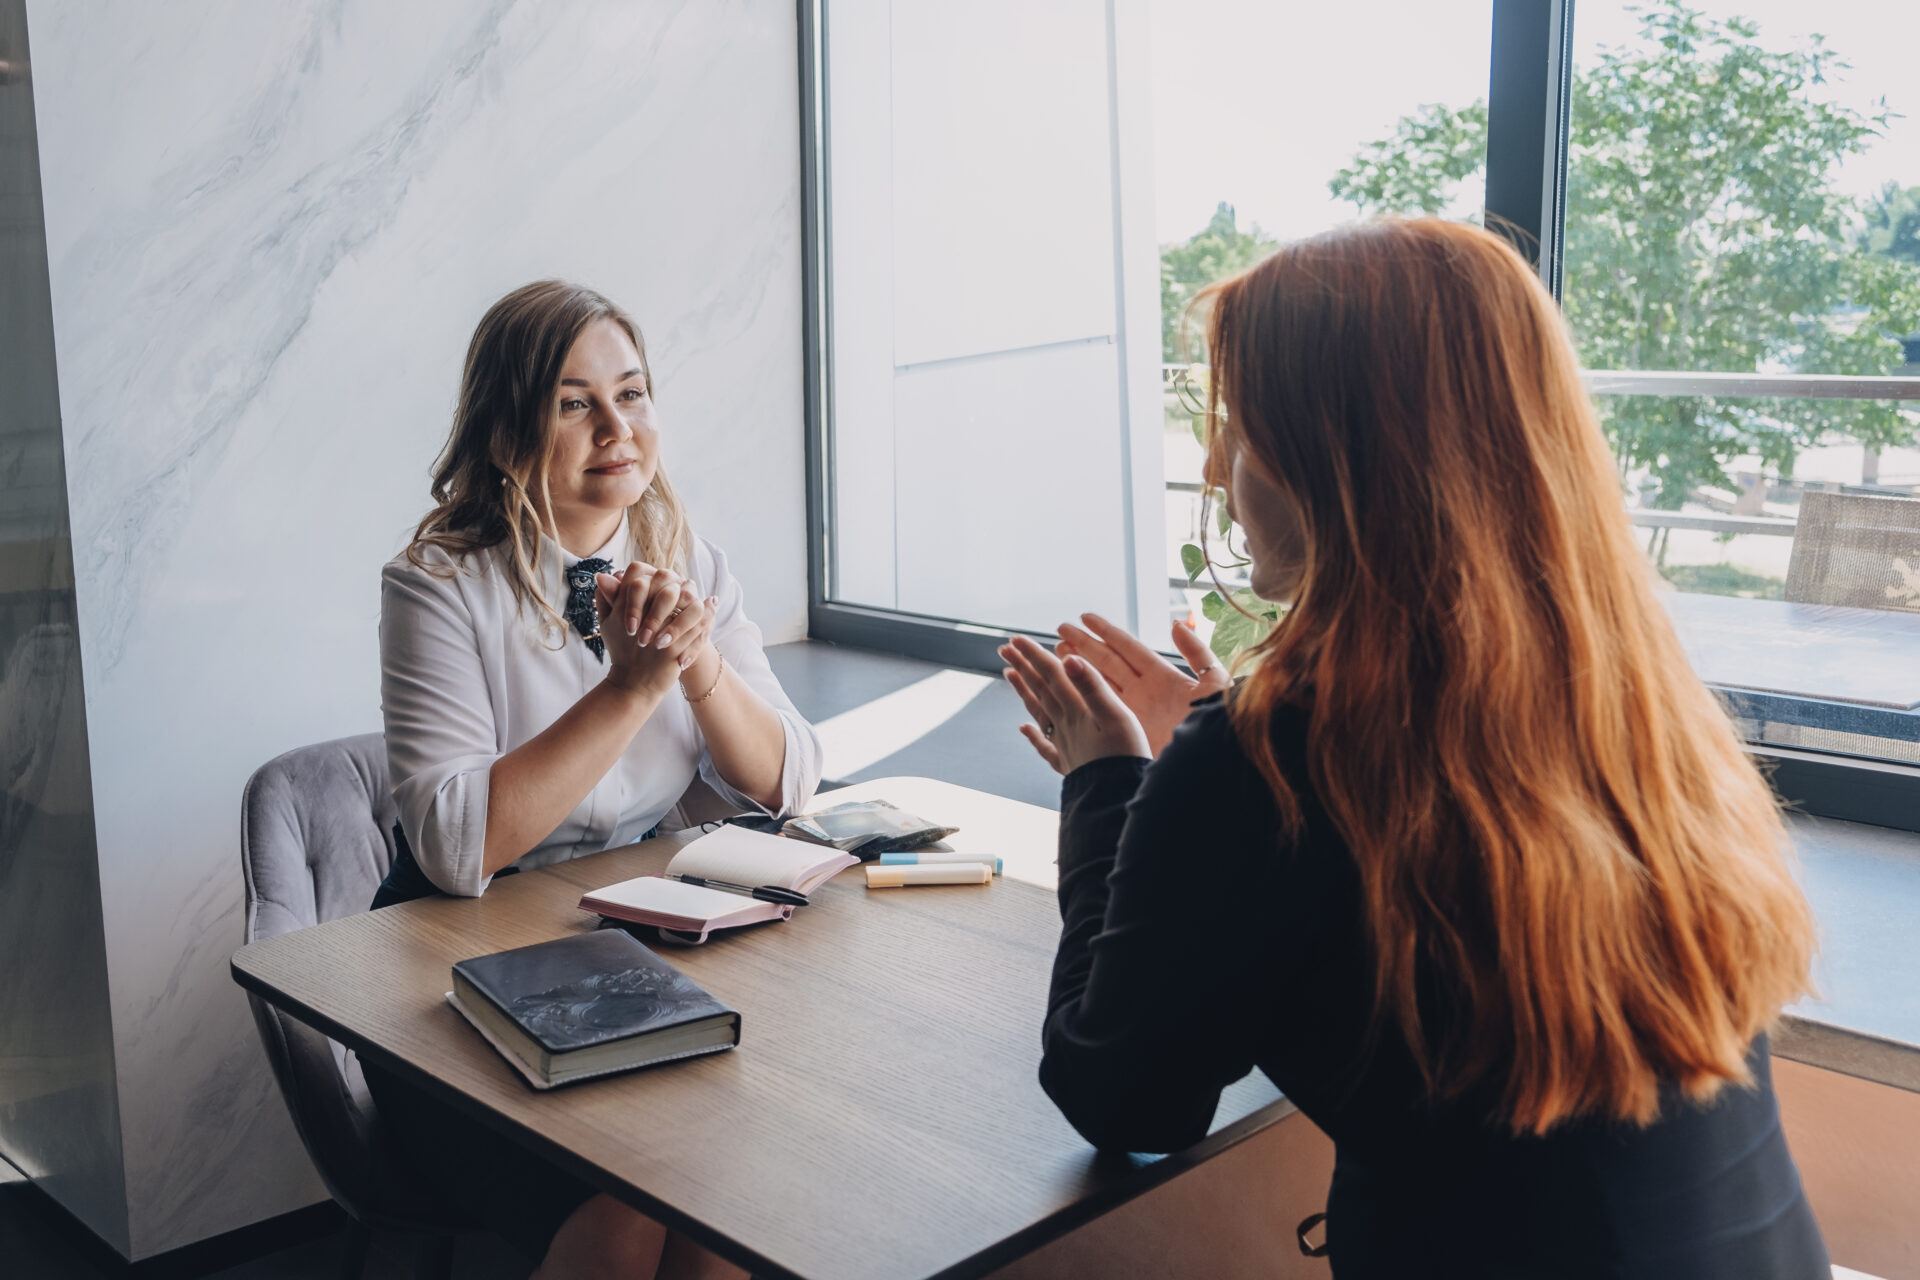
315	842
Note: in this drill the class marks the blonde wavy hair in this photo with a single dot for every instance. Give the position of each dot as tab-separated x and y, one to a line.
1560	840
490	483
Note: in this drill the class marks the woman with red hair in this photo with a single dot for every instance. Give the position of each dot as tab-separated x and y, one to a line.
1469	863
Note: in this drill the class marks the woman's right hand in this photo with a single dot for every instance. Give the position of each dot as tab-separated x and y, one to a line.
649	622
1158	693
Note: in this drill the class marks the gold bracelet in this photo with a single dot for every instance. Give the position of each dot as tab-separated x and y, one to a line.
716	680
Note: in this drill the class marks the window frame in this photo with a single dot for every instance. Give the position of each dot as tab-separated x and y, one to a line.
1528	135
951	642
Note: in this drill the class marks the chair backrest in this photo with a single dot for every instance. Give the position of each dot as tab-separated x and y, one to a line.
315	843
1861	550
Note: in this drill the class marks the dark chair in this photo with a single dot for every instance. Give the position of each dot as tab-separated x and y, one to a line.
1858	550
315	841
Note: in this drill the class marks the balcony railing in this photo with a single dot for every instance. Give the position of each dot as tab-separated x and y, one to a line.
1178	380
1756	705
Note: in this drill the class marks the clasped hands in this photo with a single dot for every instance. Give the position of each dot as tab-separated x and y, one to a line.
654	624
1101	692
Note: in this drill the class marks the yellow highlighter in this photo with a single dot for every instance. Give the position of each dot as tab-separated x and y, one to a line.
896	877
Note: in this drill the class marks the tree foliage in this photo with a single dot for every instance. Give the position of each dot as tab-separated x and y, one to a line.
1419	168
1704	232
1219	250
1893	223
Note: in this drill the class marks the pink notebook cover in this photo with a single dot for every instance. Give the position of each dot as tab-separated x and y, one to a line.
731	853
684	908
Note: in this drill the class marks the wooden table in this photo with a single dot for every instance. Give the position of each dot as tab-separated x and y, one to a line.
881	1117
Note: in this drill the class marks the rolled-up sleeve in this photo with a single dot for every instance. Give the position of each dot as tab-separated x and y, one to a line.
441	741
738	639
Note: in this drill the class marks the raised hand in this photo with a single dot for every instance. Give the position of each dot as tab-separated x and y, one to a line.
1158	693
1077	716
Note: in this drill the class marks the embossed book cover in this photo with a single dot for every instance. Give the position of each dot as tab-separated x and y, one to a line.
589	1004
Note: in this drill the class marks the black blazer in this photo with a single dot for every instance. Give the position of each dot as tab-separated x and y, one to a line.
1196	948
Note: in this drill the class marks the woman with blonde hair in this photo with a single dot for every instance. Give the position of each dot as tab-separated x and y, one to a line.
531	640
1469	863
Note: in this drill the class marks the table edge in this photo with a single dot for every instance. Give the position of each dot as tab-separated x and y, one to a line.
1863	1055
1144	1177
522	1135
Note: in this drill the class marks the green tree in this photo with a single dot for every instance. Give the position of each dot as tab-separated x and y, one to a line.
1704	232
1893	223
1219	250
1419	168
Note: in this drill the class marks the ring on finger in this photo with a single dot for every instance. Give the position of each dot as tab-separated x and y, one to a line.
1046	731
682	609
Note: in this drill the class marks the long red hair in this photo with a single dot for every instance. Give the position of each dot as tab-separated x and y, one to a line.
1556	828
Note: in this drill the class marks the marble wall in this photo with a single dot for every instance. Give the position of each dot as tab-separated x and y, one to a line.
269	232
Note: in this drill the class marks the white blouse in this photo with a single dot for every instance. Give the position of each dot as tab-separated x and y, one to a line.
466	676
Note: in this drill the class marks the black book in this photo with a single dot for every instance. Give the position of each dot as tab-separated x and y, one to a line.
587	1005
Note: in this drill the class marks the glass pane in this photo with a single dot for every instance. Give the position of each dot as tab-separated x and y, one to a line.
1022	195
1273	122
1744	197
992	275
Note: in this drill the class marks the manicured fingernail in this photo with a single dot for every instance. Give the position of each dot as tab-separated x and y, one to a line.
666	638
645	636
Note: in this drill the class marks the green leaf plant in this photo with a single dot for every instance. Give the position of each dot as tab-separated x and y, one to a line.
1240	618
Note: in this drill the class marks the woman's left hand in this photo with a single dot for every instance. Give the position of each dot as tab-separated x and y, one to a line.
1077	716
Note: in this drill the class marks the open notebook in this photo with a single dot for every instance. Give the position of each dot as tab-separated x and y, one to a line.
688	912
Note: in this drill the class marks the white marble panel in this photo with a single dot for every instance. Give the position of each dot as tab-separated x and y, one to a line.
271	229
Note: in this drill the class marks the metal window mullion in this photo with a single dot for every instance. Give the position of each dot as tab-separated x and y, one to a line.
816	332
1528	102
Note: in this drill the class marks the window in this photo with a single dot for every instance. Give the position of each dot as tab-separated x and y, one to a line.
1008	202
992	417
1742	273
1012	200
1360	87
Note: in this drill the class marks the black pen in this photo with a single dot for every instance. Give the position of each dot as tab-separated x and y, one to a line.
766	892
